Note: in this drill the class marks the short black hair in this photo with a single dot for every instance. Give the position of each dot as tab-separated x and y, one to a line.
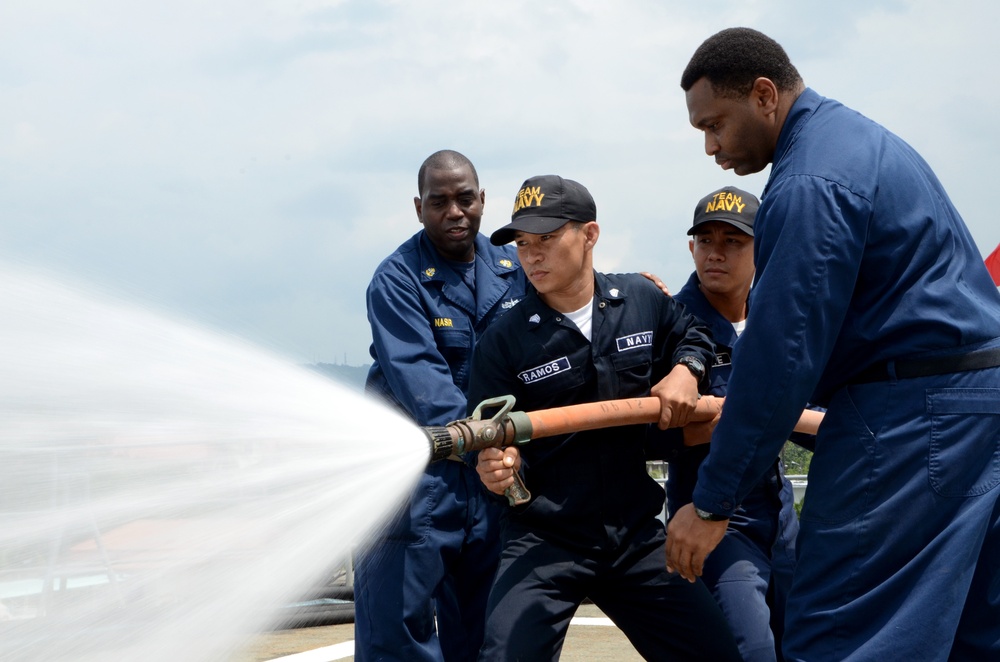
731	60
445	159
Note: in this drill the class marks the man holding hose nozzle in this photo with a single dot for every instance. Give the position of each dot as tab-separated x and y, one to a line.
590	529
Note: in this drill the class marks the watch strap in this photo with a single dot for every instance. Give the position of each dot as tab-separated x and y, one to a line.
707	516
696	367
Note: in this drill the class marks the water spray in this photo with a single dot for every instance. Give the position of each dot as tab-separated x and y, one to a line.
167	491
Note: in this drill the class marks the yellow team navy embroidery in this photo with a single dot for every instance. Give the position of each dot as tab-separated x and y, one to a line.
726	201
430	272
443	321
507	264
528	196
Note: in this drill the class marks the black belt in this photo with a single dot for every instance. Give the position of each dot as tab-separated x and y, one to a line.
941	365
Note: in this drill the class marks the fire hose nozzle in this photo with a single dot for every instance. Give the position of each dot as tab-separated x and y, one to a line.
504	428
442	442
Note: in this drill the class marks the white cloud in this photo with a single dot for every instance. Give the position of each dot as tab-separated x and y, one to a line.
250	164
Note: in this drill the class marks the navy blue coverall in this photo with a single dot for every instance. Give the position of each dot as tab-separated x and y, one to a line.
865	273
750	572
438	555
590	529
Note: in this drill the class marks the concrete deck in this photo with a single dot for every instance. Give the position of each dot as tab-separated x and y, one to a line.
591	637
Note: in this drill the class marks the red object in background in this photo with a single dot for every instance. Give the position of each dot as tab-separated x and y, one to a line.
993	264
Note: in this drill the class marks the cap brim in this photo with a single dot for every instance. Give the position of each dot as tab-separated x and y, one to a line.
747	229
530	224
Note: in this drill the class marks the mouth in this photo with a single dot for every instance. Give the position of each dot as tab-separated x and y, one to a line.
458	232
725	164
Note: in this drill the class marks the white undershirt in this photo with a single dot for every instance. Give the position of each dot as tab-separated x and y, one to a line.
739	326
583	318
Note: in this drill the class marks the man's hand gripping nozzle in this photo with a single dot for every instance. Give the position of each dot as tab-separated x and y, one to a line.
505	428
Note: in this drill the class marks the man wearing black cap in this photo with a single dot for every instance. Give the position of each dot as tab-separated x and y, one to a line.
750	572
590	528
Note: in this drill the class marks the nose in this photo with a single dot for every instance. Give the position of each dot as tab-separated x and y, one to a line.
711	144
455	210
529	254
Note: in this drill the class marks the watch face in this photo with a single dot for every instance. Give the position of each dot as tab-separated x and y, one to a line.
694	365
707	516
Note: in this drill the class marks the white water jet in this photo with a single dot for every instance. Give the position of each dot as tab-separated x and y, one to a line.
163	488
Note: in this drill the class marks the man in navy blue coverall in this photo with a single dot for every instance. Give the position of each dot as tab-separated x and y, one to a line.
871	298
590	529
428	303
750	572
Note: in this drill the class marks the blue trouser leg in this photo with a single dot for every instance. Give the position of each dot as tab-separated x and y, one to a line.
900	517
782	563
536	591
978	636
539	586
749	573
393	609
460	602
439	552
663	615
738	574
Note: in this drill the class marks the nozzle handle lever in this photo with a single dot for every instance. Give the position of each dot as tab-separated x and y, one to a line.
517	494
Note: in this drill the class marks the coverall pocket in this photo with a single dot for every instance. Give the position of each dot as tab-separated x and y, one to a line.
455	346
634	370
545	391
413	522
964	455
842	468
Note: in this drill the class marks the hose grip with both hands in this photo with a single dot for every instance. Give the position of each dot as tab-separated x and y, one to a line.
514	428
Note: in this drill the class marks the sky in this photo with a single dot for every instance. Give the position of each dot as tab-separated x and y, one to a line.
245	165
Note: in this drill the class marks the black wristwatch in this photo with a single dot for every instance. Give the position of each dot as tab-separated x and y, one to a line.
696	367
707	516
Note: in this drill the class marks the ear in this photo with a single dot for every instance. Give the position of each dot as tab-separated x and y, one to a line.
591	231
418	206
482	196
691	246
764	96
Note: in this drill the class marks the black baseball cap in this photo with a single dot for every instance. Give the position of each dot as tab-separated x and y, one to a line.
729	205
546	203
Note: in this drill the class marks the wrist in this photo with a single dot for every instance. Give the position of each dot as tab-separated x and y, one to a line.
707	516
692	363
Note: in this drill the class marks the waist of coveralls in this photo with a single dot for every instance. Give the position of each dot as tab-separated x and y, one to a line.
939	365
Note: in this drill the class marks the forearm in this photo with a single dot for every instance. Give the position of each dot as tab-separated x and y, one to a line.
417	373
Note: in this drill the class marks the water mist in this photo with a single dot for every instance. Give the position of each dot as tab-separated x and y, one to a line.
164	488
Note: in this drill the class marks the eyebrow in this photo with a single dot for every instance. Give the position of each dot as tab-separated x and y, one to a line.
729	232
438	196
705	120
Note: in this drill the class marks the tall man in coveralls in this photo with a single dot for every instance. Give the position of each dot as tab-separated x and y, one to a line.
750	572
872	297
590	529
428	303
